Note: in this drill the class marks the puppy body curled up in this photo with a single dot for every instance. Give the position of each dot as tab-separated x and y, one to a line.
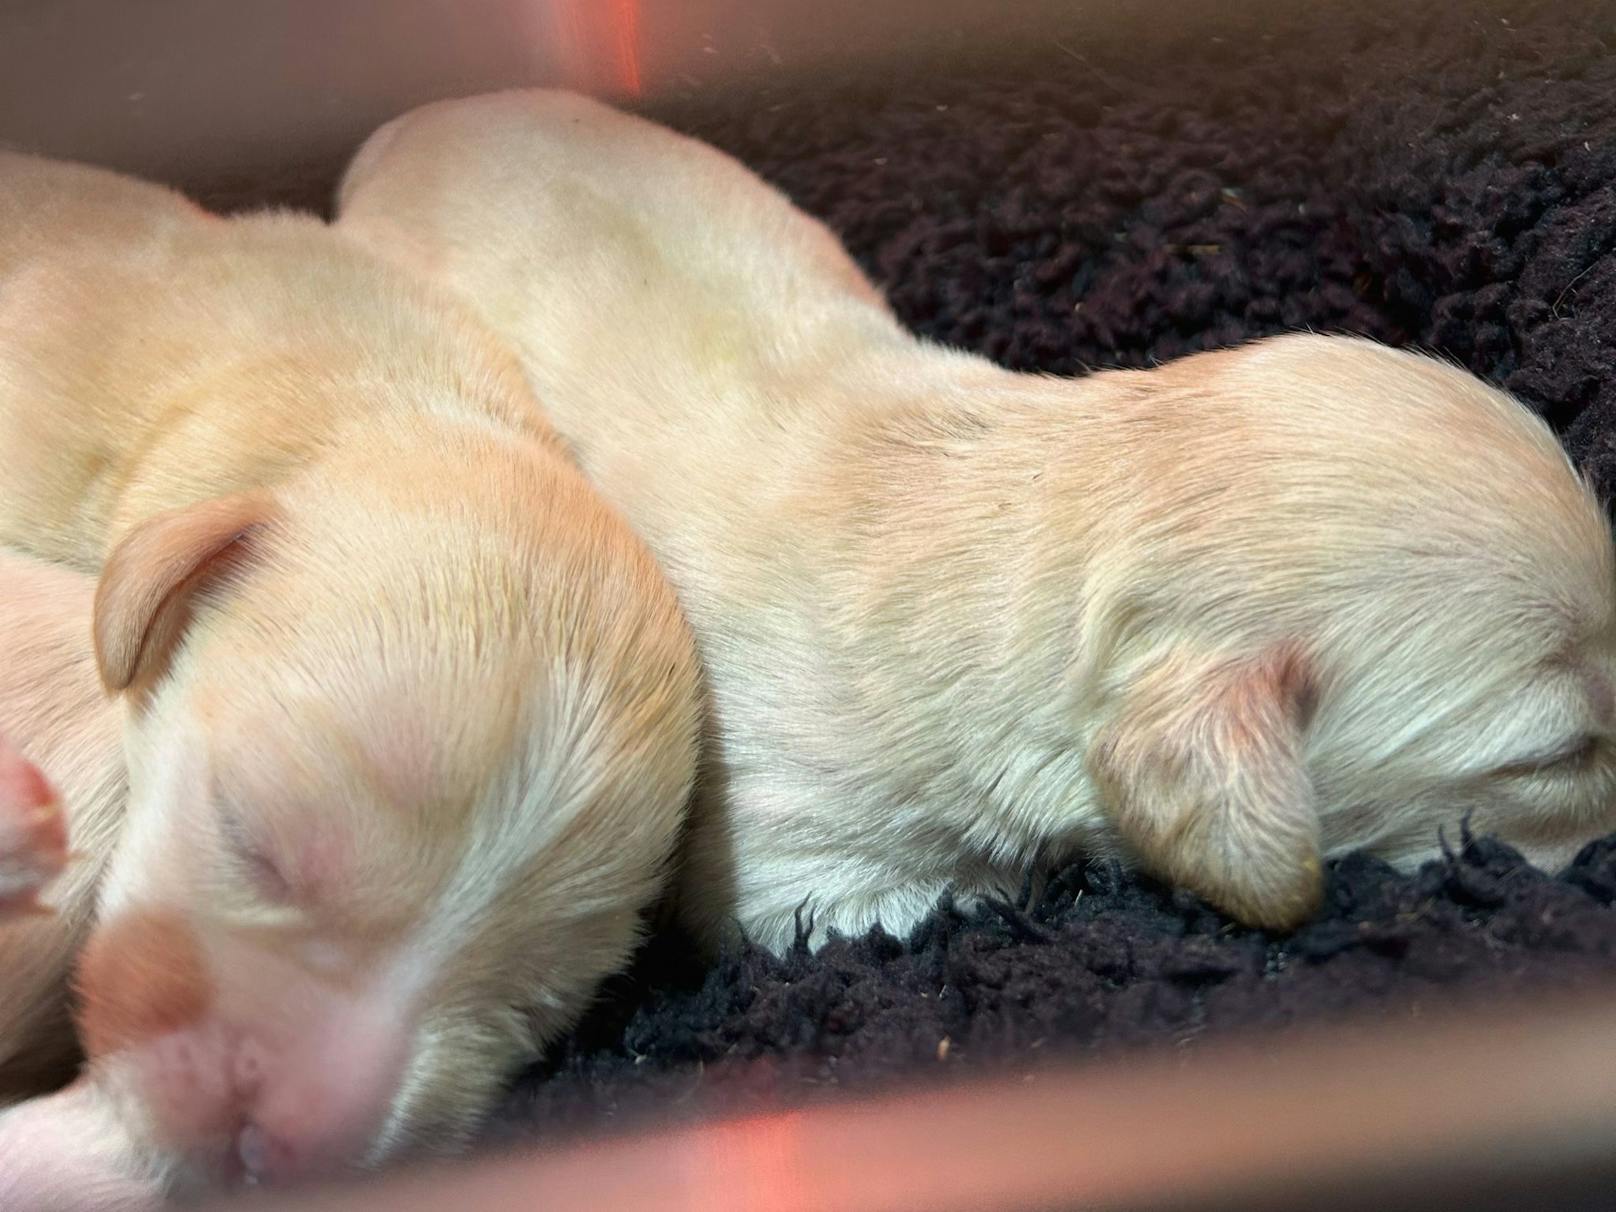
1225	618
409	714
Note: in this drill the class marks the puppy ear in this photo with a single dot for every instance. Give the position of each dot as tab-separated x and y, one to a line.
1202	773
143	601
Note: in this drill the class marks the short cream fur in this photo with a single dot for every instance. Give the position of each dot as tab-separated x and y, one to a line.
409	714
1225	618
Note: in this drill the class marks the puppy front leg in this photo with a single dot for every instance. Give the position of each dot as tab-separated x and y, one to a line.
69	1152
1201	772
33	833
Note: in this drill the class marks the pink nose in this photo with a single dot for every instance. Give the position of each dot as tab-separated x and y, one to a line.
311	1103
267	1159
245	1059
319	1104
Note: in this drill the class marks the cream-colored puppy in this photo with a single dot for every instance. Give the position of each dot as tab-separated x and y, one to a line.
409	715
53	714
1226	618
67	1152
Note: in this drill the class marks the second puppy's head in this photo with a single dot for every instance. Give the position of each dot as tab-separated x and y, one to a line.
409	750
1364	599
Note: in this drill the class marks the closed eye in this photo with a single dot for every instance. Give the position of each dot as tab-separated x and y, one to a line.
255	863
1570	758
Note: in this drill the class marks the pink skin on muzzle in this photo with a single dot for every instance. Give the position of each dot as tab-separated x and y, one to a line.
245	1063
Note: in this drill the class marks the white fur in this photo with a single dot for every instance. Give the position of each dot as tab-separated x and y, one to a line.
1225	618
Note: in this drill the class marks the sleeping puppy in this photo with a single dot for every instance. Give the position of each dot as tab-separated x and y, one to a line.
409	715
1226	618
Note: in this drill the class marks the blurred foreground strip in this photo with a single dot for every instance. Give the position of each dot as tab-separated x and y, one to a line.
1507	1107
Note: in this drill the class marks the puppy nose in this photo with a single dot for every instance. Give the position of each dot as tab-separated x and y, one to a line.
268	1158
262	1158
312	1106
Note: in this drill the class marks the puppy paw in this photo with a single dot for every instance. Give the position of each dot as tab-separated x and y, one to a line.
33	834
70	1152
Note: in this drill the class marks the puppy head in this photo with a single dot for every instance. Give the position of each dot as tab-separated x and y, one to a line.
1466	621
1475	686
400	789
1388	606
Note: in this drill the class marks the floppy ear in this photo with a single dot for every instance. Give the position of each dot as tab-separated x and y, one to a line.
1201	772
143	601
